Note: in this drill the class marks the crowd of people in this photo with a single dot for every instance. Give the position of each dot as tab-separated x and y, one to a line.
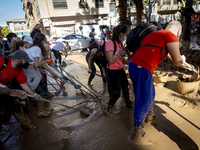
23	66
142	65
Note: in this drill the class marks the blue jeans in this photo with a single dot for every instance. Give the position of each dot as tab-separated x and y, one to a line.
144	91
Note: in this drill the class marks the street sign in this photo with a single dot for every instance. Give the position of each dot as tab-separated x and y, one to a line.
45	22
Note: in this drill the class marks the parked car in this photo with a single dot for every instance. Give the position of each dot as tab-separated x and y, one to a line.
75	41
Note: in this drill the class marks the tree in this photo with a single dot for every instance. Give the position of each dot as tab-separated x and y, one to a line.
124	12
5	31
139	8
188	11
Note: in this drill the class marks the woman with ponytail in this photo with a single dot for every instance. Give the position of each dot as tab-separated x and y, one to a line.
114	71
38	54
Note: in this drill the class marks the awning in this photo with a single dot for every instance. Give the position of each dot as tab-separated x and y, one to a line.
63	23
167	12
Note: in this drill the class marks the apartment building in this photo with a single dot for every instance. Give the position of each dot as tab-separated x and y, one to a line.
61	17
18	26
67	16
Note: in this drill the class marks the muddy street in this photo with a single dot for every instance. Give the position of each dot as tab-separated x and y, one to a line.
68	129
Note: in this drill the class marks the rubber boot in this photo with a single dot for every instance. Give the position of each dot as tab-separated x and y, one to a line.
41	112
137	136
24	120
47	107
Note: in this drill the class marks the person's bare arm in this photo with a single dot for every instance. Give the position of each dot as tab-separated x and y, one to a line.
112	58
173	49
38	64
26	88
94	51
66	52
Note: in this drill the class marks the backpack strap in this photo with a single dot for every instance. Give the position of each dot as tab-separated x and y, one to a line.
156	47
115	46
5	62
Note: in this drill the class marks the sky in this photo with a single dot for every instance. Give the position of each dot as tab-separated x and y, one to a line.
10	9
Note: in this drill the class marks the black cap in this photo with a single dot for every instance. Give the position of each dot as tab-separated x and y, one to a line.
19	54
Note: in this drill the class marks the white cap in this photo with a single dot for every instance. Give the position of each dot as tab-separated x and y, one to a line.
28	39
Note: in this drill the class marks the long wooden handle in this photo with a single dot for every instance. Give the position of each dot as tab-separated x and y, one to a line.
190	67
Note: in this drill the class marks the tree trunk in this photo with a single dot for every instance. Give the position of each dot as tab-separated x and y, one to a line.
188	11
139	8
124	13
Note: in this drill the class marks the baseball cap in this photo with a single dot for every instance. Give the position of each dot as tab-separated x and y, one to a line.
19	54
28	39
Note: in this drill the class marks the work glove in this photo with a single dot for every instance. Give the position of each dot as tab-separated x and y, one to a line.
184	59
19	93
49	61
37	97
54	75
89	71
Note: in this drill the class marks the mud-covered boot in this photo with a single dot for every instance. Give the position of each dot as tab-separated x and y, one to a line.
47	107
137	136
24	120
151	119
41	112
89	82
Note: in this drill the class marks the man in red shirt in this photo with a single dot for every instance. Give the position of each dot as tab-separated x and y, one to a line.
108	33
13	69
141	67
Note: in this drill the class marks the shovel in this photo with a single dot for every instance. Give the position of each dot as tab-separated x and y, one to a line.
57	91
86	113
98	75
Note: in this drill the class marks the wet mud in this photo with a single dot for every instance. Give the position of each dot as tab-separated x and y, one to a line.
68	129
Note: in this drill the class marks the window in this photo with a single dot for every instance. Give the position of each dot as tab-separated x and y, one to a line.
132	3
175	2
60	4
66	38
112	9
166	2
80	37
99	3
83	4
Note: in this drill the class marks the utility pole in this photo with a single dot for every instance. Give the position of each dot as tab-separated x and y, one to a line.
150	10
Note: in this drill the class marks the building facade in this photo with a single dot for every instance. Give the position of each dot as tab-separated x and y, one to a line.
18	26
61	17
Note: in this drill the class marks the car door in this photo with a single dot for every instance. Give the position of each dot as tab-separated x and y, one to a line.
72	41
82	42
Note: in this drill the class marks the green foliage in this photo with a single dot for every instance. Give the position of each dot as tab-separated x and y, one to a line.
5	31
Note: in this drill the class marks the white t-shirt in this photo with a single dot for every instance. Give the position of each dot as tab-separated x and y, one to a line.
34	51
59	46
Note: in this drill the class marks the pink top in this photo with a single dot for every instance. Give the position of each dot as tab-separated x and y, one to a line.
118	64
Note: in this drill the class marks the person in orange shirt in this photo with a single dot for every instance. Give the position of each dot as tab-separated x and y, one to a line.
141	67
